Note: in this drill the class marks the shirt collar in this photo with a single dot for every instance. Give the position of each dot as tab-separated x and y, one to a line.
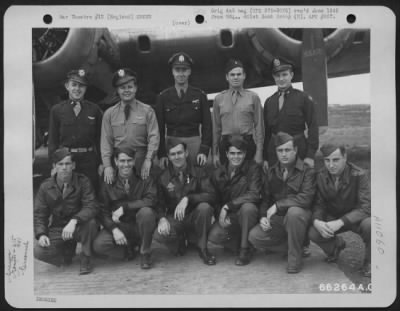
188	170
132	178
298	165
243	168
344	177
286	91
71	182
239	91
132	104
184	88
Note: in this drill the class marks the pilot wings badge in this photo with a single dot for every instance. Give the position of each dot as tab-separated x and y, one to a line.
170	187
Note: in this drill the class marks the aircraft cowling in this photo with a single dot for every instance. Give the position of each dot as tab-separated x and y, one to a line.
72	53
273	42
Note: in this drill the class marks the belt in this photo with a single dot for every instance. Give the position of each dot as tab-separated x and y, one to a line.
245	136
81	149
186	133
297	136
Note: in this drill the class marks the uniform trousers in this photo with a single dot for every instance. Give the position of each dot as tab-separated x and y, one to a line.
223	144
137	232
140	155
84	233
236	234
363	228
193	146
86	163
197	221
287	234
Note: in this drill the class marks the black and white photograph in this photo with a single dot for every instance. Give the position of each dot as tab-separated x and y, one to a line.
209	156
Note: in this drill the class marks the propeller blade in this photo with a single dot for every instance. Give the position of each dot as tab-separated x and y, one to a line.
314	71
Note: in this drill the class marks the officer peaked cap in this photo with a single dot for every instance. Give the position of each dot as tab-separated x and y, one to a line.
180	59
279	64
78	75
122	76
233	63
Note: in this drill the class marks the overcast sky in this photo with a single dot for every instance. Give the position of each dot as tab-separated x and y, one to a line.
343	91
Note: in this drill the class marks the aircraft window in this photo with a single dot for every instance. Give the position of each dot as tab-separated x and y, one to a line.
226	38
144	43
359	37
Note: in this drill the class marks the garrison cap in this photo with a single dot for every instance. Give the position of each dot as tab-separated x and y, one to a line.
122	76
79	75
173	142
279	64
124	148
180	59
60	154
328	148
238	142
233	63
282	138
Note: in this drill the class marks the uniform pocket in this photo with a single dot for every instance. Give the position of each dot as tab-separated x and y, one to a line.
246	116
169	108
91	120
118	128
138	125
67	127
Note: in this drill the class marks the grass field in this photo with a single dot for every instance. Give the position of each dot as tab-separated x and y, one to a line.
351	126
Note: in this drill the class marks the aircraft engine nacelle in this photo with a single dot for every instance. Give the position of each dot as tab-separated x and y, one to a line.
287	44
58	50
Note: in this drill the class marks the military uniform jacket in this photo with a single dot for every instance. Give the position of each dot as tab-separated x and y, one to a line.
142	193
182	117
298	189
68	130
139	131
297	111
244	187
196	187
79	203
351	202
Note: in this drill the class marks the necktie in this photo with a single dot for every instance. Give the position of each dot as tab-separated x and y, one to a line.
336	183
232	173
64	190
77	107
126	186
181	177
281	100
285	174
182	94
234	97
127	110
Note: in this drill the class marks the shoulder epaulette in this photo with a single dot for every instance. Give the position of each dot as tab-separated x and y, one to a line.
355	170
